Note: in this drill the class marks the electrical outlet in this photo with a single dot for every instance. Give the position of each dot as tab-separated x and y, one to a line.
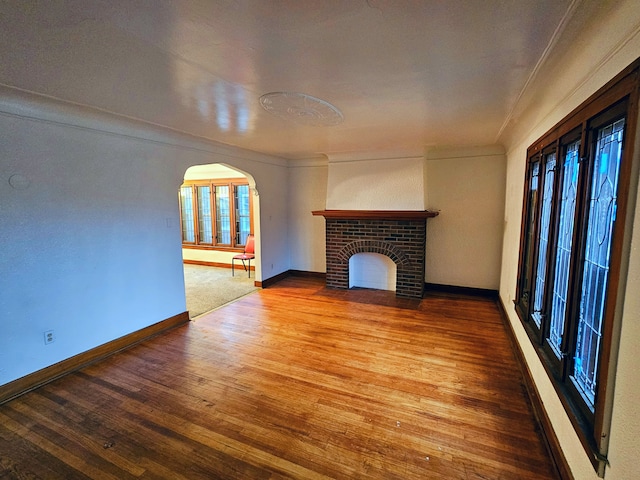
49	337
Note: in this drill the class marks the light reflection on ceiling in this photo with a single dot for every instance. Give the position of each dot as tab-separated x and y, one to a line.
403	75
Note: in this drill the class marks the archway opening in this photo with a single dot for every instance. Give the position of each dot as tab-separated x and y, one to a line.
218	211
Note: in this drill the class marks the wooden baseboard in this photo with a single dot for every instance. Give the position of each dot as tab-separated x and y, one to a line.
270	281
304	273
34	380
544	423
456	290
289	273
213	264
428	287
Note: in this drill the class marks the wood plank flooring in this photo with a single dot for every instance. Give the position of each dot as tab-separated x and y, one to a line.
294	381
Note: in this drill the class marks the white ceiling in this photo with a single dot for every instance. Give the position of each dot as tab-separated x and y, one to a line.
404	74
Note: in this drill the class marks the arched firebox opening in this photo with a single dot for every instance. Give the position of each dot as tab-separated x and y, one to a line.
399	235
372	270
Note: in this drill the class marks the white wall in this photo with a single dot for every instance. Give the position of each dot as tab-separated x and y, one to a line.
464	243
375	184
466	184
86	246
90	234
307	192
625	429
211	170
587	59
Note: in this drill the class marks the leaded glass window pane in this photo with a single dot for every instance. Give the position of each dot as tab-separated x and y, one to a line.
567	209
602	214
532	207
243	218
545	221
223	219
205	224
186	202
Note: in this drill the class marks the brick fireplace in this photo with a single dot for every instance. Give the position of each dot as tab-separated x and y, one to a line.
399	235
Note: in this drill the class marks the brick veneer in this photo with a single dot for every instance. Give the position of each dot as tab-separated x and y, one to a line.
403	241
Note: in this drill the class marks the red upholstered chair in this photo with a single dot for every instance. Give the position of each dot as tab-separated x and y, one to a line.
249	253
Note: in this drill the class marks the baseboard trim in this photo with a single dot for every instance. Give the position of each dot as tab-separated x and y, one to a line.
428	287
456	290
272	280
289	273
213	264
544	423
206	264
304	273
46	375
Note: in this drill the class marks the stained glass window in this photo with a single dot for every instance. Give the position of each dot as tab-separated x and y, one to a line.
223	215
543	239
214	214
186	202
243	214
602	214
566	216
530	240
205	226
574	238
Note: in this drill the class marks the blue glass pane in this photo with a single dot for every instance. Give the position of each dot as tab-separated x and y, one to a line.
567	208
602	213
223	219
543	244
186	204
205	225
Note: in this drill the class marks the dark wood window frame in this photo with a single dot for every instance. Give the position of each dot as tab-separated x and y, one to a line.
235	244
547	162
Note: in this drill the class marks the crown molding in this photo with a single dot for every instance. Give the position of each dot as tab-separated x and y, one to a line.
32	106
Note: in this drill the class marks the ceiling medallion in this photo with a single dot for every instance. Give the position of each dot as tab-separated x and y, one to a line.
301	108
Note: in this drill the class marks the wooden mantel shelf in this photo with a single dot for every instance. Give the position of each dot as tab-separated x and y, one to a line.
377	214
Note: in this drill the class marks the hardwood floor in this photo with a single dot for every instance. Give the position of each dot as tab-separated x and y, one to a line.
294	381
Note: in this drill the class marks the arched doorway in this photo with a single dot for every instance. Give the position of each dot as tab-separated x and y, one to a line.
218	211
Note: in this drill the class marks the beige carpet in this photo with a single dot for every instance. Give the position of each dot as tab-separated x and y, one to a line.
211	287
